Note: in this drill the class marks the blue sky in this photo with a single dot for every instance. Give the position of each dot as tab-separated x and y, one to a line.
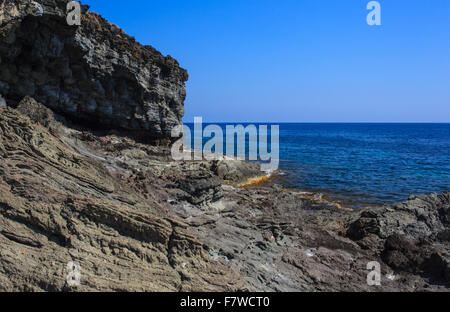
300	60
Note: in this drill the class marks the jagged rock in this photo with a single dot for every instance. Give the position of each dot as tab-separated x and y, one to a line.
417	257
235	170
411	236
401	253
200	186
418	217
93	73
37	112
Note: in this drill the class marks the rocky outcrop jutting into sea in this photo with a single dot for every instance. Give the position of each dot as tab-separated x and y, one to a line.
93	73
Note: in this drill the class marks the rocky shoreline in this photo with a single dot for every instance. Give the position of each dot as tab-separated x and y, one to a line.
73	188
137	221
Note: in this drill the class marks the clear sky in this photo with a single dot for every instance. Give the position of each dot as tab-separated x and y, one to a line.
300	60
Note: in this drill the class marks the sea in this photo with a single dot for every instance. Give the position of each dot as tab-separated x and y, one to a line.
363	163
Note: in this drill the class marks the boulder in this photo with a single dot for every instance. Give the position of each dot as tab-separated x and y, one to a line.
420	216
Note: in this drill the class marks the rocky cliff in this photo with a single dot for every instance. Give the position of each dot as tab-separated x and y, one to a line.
94	74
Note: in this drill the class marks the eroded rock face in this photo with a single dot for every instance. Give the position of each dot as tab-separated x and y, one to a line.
93	73
420	216
59	203
37	112
412	236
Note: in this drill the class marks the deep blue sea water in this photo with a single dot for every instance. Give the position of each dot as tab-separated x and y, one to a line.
365	163
379	163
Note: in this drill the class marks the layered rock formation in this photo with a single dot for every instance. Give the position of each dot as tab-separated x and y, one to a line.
137	221
93	73
61	203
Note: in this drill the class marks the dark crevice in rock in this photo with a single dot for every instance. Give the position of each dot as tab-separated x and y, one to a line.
22	239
